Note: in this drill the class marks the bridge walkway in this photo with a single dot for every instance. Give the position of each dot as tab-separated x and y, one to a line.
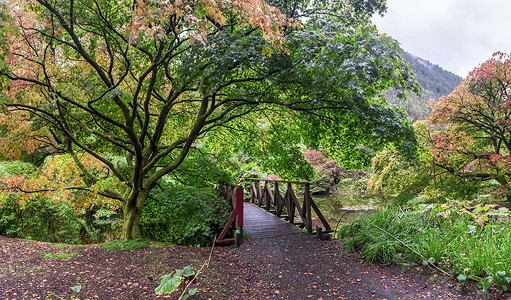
259	223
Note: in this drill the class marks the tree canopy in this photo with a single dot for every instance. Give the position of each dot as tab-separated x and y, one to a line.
148	80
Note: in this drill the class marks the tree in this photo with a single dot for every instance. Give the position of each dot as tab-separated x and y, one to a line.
469	132
148	79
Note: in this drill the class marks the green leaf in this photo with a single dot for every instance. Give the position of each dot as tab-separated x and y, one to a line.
485	284
462	278
188	271
77	288
191	292
169	283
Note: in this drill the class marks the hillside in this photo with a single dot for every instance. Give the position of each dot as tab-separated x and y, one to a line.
434	81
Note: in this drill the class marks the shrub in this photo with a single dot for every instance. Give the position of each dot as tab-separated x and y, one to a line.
402	182
314	157
56	221
99	224
55	213
183	215
39	219
392	175
372	235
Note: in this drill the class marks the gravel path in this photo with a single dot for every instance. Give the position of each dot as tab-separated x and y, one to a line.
302	267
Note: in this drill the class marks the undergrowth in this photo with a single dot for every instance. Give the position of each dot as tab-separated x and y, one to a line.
467	240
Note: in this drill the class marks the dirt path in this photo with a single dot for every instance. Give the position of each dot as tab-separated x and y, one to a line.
302	267
293	267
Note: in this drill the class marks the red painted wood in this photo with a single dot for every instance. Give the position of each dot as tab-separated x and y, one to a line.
239	205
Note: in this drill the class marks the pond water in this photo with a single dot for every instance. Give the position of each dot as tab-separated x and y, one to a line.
340	209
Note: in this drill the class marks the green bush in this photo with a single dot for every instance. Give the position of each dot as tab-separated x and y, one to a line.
396	179
99	224
400	182
372	235
53	216
183	215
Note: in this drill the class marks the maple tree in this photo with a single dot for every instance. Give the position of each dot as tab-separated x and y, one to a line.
469	131
147	79
17	136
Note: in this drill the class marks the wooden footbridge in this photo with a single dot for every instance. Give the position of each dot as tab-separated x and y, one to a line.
274	209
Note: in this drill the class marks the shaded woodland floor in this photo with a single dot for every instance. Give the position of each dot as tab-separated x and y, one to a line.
292	267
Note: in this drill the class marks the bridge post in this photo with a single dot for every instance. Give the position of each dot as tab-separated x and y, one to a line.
239	207
307	208
291	207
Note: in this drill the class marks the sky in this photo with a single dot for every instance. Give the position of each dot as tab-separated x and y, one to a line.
457	35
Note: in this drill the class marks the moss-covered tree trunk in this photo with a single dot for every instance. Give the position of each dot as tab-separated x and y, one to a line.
132	211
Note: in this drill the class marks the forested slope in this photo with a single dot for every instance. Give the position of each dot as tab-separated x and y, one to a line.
434	81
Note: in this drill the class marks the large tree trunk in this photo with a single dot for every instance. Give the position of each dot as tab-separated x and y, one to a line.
132	212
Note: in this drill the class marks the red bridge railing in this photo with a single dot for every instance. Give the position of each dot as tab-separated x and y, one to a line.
234	195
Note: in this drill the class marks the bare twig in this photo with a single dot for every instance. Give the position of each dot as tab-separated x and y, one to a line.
198	271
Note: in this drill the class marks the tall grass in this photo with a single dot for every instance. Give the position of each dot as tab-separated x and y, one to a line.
451	241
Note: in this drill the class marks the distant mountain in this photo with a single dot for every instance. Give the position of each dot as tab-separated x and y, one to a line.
434	81
432	77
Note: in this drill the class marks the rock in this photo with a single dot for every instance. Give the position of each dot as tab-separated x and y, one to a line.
358	208
330	174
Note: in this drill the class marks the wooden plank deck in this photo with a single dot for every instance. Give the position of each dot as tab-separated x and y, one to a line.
259	224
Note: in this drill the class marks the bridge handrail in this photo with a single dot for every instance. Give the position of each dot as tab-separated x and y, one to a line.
278	180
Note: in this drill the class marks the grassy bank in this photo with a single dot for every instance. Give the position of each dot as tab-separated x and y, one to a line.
464	239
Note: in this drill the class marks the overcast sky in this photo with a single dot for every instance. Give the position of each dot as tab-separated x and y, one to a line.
457	35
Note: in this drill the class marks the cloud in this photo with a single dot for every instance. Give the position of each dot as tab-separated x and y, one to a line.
458	35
